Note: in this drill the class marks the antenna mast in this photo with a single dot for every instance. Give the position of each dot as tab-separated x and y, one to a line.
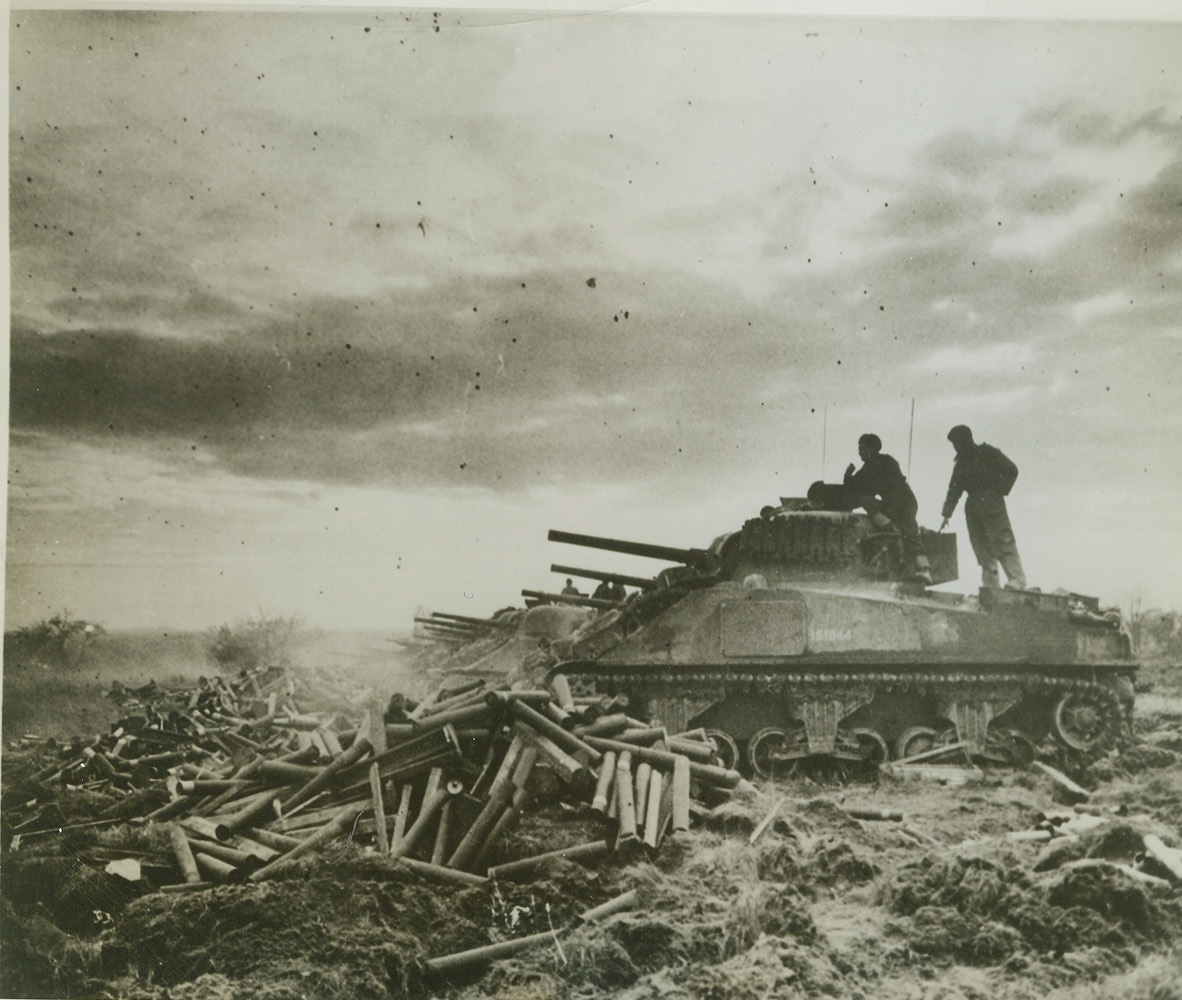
910	436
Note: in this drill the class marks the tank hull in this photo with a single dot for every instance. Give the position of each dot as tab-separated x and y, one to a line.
865	673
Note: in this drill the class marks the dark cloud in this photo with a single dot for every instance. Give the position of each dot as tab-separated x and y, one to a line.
940	238
124	383
1047	197
1079	124
927	211
470	382
500	381
196	311
968	156
1150	228
1076	123
214	266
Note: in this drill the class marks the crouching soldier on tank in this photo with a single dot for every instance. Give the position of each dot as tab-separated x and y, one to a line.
881	489
987	476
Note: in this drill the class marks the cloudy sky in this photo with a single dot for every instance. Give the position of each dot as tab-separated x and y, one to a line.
334	314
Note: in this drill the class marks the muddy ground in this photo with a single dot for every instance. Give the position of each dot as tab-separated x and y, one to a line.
941	905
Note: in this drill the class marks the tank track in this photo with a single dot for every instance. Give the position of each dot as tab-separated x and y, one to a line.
775	681
1085	714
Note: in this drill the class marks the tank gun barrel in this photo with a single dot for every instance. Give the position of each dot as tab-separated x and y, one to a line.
448	619
583	602
445	628
698	558
592	574
442	624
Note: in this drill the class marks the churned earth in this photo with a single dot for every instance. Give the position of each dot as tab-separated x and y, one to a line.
940	905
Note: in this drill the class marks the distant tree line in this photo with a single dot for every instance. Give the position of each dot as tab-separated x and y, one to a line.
248	644
1157	634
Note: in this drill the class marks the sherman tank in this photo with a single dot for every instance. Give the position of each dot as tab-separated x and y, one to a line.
803	640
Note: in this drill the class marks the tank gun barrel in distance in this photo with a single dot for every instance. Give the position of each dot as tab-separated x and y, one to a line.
448	619
445	626
593	574
583	602
698	558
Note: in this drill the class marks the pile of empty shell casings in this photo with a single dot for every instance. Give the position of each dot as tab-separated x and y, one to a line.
433	785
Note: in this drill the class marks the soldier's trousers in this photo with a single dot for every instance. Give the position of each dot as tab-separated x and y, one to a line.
903	518
993	540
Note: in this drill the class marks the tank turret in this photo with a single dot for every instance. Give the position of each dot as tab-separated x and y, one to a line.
817	536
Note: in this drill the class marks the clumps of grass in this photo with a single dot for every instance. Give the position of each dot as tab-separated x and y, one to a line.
970	885
983	912
1134	761
834	862
1154	978
632	946
717	865
78	806
1159	793
943	930
760	909
41	960
737	817
716	907
333	933
598	957
828	814
767	969
511	979
1124	906
151	837
779	861
78	898
1116	842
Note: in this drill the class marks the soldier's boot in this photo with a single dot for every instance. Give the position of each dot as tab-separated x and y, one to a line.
1011	562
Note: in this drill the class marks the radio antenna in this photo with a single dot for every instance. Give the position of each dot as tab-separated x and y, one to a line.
910	437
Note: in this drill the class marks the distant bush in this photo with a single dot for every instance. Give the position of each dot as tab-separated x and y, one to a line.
60	640
255	643
1157	634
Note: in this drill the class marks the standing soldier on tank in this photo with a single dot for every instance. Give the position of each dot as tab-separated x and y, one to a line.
987	476
881	489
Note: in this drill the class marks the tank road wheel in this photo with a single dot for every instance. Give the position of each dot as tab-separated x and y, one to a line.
725	748
582	687
1086	719
856	756
872	747
1011	747
774	754
921	739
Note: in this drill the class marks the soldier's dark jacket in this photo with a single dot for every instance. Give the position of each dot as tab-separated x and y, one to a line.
980	470
881	476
